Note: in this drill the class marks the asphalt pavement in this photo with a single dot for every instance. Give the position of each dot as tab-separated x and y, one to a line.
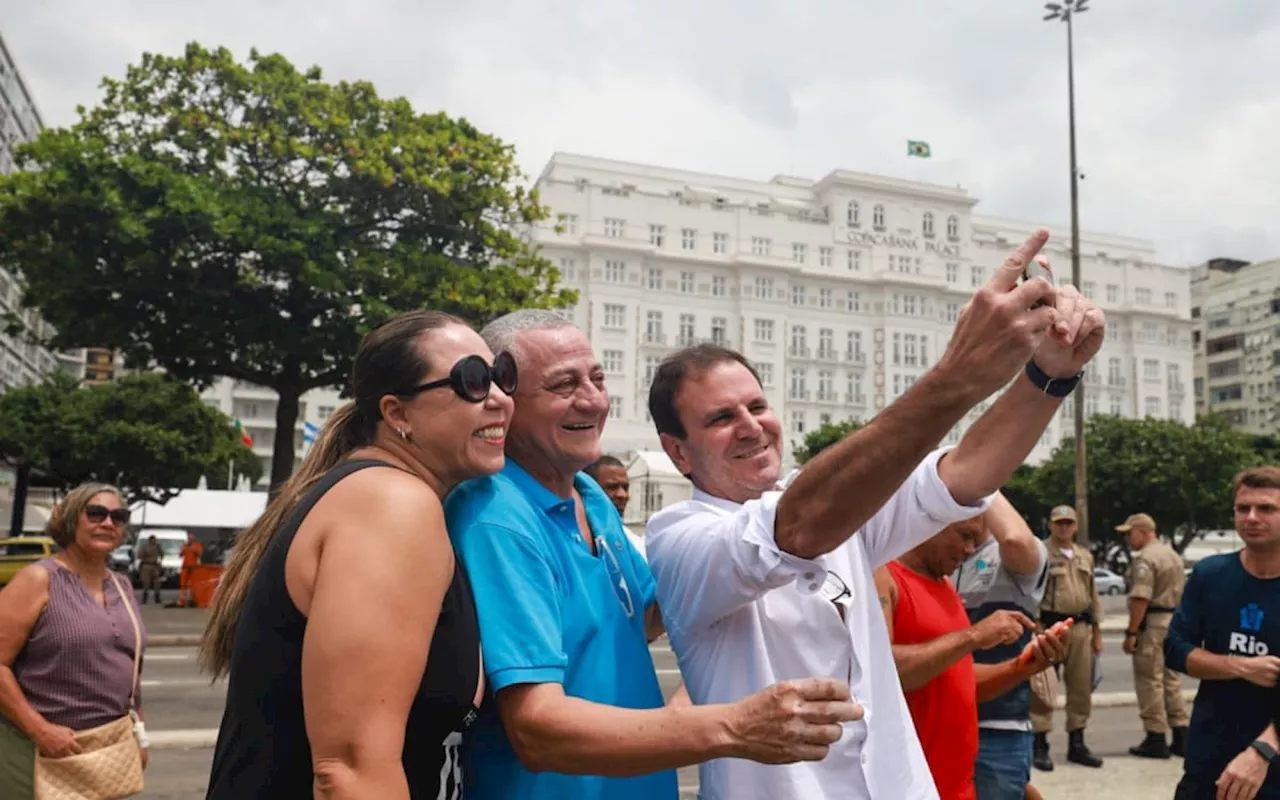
183	709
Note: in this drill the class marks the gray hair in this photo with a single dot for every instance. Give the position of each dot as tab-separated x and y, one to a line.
501	334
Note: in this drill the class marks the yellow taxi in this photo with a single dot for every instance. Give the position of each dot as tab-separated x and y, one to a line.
20	551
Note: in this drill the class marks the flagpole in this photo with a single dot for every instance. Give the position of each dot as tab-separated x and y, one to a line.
230	465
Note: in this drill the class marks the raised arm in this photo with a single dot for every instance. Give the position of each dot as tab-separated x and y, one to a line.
1020	551
519	611
22	602
370	621
997	334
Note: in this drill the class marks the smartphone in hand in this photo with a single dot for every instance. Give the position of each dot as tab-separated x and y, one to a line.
1034	269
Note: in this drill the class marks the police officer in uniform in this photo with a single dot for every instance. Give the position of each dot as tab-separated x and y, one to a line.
1070	593
1156	582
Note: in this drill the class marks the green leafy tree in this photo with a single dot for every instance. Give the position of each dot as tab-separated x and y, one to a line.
822	437
1179	474
149	434
252	221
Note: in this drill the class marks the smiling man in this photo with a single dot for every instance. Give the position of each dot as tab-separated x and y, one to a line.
566	610
762	580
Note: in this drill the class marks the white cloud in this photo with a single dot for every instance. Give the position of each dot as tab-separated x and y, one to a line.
1176	102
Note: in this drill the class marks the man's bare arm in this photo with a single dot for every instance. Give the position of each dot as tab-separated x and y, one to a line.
1137	610
1019	548
996	679
998	442
918	664
845	485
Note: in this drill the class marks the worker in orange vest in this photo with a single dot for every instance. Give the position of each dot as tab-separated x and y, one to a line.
192	552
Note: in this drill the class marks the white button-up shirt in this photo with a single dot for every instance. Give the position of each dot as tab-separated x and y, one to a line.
743	615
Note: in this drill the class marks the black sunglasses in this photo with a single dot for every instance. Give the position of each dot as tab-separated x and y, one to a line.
471	377
96	514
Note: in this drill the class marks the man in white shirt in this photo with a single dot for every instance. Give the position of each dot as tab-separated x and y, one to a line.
761	581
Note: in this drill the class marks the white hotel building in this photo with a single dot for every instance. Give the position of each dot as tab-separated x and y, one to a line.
842	291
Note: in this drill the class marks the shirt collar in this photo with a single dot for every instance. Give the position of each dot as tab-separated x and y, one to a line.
729	505
544	498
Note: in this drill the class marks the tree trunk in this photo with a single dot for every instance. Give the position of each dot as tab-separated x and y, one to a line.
1188	536
21	481
282	453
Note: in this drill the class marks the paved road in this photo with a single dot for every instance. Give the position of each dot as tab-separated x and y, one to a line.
178	698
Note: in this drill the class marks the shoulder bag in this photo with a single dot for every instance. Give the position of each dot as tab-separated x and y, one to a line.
110	764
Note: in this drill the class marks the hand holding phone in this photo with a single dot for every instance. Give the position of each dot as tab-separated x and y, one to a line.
1036	268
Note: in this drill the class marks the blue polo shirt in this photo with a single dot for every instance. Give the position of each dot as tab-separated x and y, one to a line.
541	596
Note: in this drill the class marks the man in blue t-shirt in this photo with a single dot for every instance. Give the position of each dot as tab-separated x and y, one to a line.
566	611
1226	632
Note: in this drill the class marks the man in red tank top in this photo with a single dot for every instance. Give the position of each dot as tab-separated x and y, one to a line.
933	644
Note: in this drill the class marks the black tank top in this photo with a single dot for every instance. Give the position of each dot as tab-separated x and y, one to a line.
262	750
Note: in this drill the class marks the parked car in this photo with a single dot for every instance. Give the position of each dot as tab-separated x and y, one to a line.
20	551
121	559
1107	581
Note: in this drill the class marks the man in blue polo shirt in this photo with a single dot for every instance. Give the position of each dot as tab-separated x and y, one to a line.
566	610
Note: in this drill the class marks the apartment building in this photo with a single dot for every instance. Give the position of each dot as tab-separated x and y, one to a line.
21	361
254	407
1236	311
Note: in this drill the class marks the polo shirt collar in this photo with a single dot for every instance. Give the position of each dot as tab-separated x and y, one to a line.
541	496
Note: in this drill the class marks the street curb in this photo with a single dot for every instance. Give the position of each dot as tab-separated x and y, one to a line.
183	740
1119	699
196	739
174	640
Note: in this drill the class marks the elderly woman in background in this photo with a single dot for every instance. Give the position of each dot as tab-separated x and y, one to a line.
69	636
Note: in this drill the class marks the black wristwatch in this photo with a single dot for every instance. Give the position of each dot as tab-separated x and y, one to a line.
1127	634
1265	750
1054	387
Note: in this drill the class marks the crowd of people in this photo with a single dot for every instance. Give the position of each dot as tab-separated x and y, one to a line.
444	597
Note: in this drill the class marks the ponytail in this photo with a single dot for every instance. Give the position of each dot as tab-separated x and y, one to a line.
346	430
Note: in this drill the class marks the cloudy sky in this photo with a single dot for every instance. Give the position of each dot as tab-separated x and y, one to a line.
1178	103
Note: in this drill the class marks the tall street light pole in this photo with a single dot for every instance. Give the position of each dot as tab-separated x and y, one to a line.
1066	11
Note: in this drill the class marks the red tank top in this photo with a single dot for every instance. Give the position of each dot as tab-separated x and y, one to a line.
945	710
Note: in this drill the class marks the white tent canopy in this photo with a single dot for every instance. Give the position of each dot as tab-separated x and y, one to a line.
34	519
652	463
202	508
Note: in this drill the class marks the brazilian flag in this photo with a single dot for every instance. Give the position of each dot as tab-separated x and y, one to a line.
920	149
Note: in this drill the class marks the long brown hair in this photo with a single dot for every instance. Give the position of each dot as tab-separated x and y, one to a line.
390	360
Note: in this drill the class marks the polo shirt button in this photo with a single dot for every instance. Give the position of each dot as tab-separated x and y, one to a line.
813	587
808	576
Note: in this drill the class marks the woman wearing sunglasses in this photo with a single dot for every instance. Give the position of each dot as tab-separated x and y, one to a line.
70	644
343	618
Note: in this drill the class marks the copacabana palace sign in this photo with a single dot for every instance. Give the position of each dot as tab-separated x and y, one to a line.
903	242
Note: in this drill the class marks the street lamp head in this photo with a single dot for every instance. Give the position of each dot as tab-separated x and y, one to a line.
1065	9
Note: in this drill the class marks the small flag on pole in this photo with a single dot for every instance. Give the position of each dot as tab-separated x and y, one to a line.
918	149
309	433
244	434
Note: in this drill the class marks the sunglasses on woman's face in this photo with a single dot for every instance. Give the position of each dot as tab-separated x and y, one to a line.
96	514
471	378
